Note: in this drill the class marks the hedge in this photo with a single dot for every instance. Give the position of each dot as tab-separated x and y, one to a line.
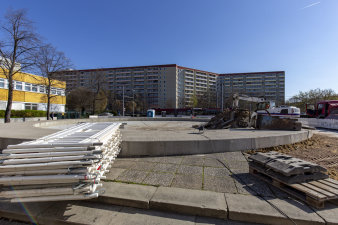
24	113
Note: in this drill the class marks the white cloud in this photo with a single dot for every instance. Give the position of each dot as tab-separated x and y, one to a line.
313	4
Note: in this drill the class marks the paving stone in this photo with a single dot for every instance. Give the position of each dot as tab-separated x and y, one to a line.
219	184
238	166
194	170
216	172
144	166
187	181
193	160
209	162
128	159
164	167
114	173
159	179
124	164
243	189
134	176
234	156
213	221
192	202
150	159
253	209
172	159
79	212
150	217
278	193
297	211
132	195
27	212
257	186
329	213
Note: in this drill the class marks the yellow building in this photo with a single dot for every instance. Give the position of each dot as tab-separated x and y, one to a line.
30	93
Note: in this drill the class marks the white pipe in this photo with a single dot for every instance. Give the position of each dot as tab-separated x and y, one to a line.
56	198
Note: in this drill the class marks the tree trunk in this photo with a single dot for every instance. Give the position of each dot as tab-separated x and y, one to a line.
10	98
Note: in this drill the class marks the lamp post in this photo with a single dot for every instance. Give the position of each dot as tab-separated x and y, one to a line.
123	101
133	102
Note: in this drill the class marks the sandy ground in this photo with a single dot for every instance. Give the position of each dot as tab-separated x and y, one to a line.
320	149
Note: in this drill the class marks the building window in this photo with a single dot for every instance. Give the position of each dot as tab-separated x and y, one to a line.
28	87
2	83
35	88
53	91
18	85
42	89
31	106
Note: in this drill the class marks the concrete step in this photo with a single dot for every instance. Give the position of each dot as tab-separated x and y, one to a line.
188	203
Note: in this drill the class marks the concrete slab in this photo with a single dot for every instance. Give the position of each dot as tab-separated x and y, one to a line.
188	181
209	162
252	209
133	176
216	172
219	184
192	202
135	216
164	167
193	160
124	164
78	212
297	211
127	194
27	212
159	179
193	170
144	166
114	173
213	221
329	214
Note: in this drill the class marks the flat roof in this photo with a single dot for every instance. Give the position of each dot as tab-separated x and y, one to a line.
135	67
222	74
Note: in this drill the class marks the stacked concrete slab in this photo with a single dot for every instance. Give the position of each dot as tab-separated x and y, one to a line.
67	165
286	168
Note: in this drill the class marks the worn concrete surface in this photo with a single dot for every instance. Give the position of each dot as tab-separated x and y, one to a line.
144	138
220	172
192	202
127	195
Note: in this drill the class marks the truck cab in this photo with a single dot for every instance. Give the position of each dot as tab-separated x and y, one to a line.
321	109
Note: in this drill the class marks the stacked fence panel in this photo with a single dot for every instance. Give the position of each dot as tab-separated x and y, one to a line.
67	165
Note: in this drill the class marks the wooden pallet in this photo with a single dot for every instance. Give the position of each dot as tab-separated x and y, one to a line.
315	193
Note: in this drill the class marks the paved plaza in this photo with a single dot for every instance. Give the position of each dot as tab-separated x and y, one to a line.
220	172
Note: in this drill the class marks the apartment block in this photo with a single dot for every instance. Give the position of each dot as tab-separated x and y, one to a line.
174	86
270	85
162	86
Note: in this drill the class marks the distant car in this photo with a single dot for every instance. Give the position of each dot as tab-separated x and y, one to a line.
106	114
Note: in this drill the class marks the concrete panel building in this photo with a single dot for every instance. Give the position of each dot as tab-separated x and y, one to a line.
162	86
174	86
270	85
30	93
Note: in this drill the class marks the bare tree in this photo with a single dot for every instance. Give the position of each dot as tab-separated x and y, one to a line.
79	100
97	84
16	49
48	61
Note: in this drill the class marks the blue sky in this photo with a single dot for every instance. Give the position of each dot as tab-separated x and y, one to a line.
300	37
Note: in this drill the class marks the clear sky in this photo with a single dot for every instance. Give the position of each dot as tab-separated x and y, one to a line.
223	36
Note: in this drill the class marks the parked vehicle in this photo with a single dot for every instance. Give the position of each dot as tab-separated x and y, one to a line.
321	109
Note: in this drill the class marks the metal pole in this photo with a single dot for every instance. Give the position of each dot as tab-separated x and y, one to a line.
222	99
123	101
133	103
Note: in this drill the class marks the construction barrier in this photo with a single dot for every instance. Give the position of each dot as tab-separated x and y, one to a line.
67	165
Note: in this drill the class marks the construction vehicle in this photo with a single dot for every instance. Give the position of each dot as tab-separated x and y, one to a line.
265	116
265	107
322	109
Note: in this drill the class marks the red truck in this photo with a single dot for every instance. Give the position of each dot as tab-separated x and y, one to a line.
323	109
